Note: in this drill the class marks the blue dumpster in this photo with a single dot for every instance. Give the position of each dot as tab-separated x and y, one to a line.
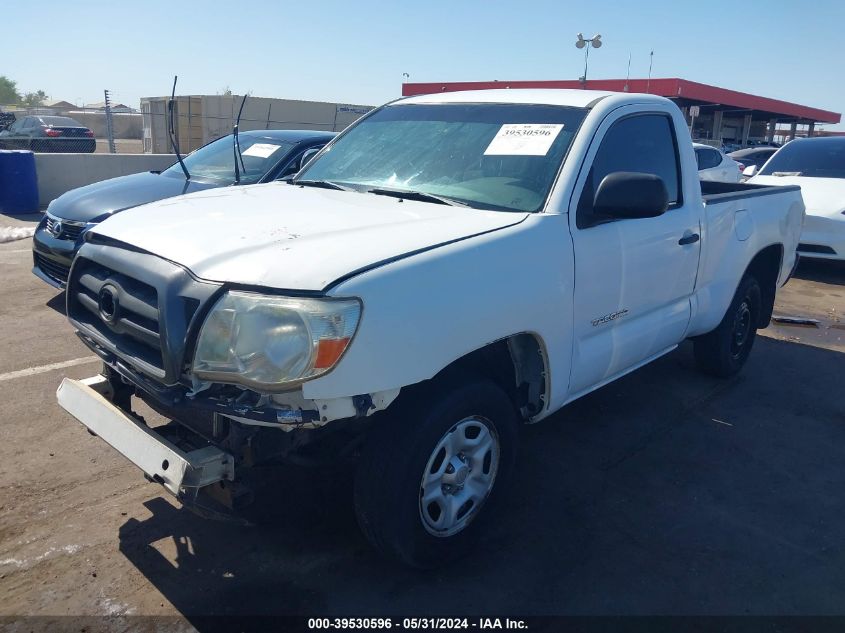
18	182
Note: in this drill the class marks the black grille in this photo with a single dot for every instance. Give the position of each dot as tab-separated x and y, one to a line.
136	307
68	231
122	308
816	248
53	269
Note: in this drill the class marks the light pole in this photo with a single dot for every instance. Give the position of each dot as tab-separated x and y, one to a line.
594	42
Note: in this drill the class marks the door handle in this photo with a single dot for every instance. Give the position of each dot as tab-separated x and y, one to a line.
692	238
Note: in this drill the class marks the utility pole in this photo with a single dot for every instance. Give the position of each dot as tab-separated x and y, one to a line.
648	81
109	124
628	76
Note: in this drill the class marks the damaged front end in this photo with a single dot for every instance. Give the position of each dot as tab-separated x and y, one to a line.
206	451
211	360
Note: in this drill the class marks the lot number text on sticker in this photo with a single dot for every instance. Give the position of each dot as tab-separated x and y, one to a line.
523	139
261	150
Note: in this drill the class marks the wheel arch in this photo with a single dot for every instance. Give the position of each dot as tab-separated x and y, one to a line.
765	268
517	363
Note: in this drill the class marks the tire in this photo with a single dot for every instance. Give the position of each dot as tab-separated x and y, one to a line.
723	351
410	449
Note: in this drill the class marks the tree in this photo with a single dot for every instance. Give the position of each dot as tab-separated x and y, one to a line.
8	90
33	99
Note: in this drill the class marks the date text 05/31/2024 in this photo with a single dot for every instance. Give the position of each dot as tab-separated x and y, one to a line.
413	624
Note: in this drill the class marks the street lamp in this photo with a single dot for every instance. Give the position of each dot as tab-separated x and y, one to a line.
594	42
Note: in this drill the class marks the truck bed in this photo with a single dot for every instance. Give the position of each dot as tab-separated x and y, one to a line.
715	192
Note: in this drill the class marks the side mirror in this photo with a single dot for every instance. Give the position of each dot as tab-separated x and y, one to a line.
307	155
625	195
749	171
295	167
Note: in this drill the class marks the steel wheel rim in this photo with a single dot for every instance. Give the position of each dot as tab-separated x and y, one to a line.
741	329
459	476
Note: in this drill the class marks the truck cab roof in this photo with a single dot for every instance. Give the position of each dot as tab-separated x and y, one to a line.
548	96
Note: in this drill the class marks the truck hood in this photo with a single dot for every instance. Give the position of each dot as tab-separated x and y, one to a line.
823	197
288	237
97	201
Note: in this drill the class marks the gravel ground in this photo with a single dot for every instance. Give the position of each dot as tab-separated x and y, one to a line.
666	492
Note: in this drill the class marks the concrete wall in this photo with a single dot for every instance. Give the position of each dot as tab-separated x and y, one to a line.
58	173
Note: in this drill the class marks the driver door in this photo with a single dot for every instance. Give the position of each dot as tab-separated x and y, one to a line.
633	277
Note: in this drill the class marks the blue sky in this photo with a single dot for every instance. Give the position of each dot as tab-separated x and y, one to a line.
356	52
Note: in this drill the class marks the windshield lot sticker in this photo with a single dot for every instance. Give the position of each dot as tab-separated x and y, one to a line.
261	150
523	139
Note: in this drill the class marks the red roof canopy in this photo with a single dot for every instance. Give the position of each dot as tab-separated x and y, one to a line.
679	89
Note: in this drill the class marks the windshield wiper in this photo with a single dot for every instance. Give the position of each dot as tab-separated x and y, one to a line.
782	174
236	144
420	196
322	184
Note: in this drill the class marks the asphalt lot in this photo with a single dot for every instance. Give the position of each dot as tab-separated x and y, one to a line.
667	492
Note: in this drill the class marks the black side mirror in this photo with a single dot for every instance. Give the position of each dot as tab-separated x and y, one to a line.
625	195
295	167
307	155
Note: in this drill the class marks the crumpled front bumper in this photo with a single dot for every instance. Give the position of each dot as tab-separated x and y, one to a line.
181	473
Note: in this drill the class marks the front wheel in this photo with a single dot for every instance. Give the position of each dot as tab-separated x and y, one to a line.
430	472
724	351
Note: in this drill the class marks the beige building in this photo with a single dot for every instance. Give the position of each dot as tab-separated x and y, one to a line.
199	119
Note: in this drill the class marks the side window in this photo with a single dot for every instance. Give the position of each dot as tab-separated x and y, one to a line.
716	158
708	158
643	143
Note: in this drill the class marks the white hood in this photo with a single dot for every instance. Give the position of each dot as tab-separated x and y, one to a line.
288	237
823	197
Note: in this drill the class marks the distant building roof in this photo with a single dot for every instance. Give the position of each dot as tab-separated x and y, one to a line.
101	105
57	103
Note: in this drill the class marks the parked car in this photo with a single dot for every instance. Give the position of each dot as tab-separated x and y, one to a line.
752	156
48	134
451	267
818	166
714	165
267	155
6	119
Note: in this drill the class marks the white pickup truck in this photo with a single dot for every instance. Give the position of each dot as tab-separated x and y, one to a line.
449	268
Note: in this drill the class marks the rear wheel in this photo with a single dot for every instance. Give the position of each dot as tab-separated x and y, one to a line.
724	351
431	472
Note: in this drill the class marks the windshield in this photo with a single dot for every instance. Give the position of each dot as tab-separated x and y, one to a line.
487	156
216	161
812	159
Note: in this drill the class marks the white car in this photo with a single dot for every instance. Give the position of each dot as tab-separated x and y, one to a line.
818	166
451	267
714	165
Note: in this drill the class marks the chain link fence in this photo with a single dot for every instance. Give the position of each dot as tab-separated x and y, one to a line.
196	121
67	128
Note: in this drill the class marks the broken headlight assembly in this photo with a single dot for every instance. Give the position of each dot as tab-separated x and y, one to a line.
270	343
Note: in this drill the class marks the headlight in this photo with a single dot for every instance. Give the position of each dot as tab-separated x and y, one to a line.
268	342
